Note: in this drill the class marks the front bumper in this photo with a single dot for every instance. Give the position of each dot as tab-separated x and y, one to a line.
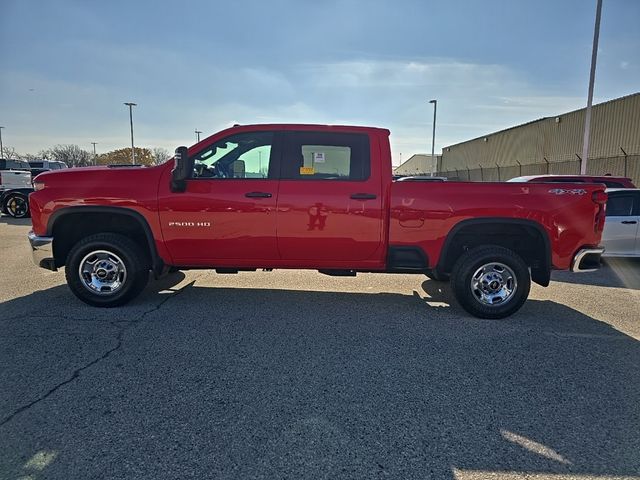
587	260
42	251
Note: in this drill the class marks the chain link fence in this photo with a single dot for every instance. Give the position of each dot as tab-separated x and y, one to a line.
621	166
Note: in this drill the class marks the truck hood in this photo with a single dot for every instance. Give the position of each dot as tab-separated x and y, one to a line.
51	174
96	185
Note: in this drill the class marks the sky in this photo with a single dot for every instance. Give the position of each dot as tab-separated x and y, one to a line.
68	66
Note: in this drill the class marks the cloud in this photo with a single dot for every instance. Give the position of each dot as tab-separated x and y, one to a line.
394	74
178	93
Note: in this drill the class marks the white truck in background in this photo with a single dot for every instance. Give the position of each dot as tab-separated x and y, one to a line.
15	186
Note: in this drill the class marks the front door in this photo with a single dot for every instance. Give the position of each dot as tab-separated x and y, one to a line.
621	225
330	200
227	214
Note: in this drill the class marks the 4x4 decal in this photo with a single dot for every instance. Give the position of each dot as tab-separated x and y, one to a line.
568	191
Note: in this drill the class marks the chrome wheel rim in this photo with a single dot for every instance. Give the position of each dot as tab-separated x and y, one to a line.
102	272
17	207
494	284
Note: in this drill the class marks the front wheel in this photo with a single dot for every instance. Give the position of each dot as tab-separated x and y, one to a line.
106	270
17	205
491	282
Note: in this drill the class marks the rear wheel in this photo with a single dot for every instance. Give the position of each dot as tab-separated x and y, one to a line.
106	270
491	282
17	205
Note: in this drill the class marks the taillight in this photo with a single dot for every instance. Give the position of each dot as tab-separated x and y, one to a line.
599	197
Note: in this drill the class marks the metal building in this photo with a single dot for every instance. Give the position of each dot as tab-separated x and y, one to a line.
419	164
553	145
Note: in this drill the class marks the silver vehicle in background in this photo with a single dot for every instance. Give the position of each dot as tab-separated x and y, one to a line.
621	228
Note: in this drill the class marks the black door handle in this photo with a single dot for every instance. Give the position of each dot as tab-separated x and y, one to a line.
629	222
363	196
258	195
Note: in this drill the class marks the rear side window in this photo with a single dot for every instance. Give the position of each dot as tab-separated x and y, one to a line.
619	205
326	156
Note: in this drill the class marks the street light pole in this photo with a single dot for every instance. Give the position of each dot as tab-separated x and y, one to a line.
94	152
587	118
198	132
433	138
1	149
133	151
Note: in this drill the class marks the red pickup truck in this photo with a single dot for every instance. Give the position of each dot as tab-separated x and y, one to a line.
311	197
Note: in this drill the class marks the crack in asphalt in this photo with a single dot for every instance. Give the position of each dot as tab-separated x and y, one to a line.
121	330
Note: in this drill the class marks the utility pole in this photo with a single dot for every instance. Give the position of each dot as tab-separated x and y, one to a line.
1	149
433	138
587	118
198	132
94	152
133	150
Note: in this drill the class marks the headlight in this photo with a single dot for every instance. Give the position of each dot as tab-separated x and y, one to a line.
38	186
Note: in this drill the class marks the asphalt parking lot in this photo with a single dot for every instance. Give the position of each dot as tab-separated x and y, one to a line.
298	375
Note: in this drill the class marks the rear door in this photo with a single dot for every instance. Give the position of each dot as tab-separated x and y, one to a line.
621	226
330	199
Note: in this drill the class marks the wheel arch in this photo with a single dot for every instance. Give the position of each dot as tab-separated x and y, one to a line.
80	221
505	232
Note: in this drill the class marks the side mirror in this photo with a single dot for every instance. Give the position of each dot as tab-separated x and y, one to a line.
238	169
182	170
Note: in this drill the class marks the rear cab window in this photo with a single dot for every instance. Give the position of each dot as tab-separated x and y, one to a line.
13	165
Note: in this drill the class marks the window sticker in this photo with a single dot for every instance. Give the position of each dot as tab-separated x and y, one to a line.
307	171
318	157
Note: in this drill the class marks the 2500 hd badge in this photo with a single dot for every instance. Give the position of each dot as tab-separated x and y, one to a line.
189	224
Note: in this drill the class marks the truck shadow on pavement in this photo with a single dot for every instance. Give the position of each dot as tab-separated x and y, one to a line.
250	382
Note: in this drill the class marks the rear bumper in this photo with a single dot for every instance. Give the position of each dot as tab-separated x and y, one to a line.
587	260
42	251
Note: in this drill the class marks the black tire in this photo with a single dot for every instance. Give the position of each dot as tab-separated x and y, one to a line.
16	205
479	273
117	259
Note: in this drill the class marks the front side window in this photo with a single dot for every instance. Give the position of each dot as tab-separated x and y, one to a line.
619	205
244	155
326	156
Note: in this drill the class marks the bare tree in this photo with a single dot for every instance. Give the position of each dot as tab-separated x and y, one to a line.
72	155
160	155
31	157
10	153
